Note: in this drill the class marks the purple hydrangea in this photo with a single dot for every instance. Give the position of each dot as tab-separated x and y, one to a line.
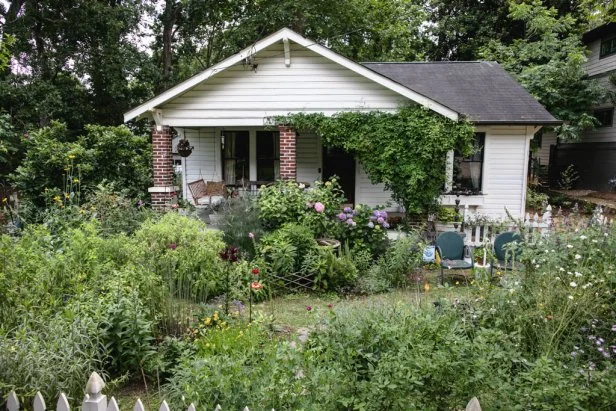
385	224
342	216
380	220
350	221
348	210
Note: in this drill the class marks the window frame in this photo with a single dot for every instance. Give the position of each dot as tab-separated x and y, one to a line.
481	142
226	134
275	135
612	47
604	110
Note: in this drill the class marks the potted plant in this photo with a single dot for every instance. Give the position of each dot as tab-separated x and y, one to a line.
184	148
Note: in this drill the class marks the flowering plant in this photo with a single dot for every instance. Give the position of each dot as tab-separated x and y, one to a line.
364	226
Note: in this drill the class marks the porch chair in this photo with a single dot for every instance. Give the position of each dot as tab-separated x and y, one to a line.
450	247
504	259
210	193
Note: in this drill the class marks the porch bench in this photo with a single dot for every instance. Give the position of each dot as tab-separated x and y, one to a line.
209	193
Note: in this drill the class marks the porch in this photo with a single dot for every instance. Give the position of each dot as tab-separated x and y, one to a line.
245	158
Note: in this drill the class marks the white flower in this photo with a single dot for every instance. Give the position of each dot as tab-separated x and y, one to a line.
569	246
585	286
301	185
557	278
577	256
573	284
605	234
537	266
583	237
594	241
570	297
578	274
561	269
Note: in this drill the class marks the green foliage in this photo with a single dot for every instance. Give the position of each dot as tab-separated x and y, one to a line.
548	61
290	202
446	214
536	200
568	177
405	150
240	218
284	250
111	154
362	227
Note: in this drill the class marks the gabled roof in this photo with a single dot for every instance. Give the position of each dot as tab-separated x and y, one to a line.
481	90
285	35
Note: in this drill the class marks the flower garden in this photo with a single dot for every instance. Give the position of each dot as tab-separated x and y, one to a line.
300	302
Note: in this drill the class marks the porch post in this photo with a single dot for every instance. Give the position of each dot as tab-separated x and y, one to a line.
162	168
288	162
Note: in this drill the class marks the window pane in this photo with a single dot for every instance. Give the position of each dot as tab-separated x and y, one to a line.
235	157
467	171
268	154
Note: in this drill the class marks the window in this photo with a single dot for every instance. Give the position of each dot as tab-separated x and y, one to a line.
605	116
235	157
268	155
608	47
467	171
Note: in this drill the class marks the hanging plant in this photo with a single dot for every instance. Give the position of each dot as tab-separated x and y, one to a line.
184	148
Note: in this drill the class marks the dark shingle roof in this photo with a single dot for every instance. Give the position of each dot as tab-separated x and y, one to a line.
481	90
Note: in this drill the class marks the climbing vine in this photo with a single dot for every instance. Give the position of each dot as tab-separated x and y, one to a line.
405	150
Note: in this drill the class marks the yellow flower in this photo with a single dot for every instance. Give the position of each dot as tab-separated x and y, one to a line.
5	200
75	180
67	195
71	156
46	189
208	320
57	198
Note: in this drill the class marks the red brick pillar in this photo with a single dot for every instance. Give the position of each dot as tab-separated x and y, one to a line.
162	168
288	163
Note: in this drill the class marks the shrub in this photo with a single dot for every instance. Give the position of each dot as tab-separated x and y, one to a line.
284	250
535	200
362	227
110	154
290	202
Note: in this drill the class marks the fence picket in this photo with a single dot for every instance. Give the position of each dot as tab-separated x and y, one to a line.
62	404
473	405
113	405
39	402
12	402
191	407
164	406
218	408
138	405
96	401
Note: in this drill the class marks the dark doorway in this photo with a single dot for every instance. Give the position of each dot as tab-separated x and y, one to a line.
339	163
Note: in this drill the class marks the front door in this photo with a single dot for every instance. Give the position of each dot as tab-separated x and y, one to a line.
339	163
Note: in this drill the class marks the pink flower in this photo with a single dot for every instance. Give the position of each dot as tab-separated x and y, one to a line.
319	207
251	236
308	308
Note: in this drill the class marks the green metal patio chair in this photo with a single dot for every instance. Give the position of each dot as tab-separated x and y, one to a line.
504	259
450	248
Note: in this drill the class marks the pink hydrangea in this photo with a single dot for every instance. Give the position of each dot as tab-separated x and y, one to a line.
319	207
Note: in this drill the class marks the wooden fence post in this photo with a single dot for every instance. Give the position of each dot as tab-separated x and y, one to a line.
95	400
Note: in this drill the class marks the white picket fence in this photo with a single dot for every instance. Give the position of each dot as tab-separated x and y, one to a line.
482	234
95	400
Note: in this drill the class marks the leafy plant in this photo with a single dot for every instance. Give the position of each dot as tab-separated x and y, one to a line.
405	150
536	200
568	177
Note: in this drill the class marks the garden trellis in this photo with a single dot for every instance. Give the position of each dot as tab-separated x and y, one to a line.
95	400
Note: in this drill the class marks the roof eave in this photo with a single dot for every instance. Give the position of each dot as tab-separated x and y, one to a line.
518	122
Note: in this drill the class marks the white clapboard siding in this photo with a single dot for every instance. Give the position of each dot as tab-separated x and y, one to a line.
504	173
371	194
543	153
243	96
309	158
595	65
95	400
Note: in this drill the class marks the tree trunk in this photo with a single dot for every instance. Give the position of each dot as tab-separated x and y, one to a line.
170	18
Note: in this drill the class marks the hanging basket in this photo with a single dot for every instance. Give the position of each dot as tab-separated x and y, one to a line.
184	148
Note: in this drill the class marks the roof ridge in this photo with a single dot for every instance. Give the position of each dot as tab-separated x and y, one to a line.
427	62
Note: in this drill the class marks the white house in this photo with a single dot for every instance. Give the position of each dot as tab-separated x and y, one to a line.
224	111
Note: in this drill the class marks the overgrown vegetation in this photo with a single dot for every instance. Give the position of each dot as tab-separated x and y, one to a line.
414	174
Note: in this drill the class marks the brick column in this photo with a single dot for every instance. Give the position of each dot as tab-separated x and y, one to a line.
288	163
162	168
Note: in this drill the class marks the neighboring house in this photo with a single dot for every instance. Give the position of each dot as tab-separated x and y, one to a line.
224	112
594	156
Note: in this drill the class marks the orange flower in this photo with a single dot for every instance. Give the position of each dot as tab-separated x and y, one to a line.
255	285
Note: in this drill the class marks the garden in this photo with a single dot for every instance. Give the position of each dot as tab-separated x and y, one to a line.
298	302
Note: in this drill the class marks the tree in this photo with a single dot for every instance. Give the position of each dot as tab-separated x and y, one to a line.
548	62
